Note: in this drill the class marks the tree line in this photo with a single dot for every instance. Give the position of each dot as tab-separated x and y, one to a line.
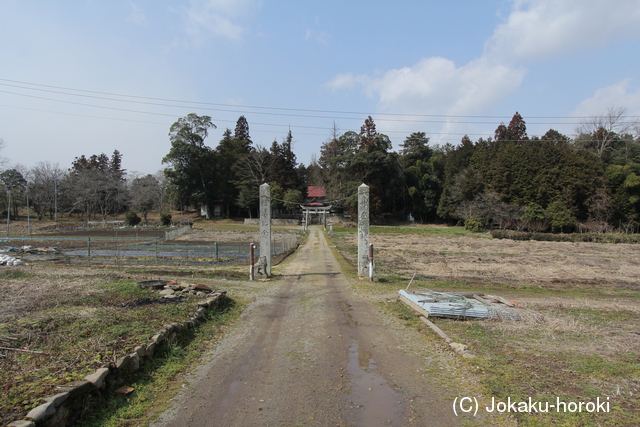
513	181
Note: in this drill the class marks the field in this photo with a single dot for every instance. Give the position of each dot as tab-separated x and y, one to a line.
61	320
586	347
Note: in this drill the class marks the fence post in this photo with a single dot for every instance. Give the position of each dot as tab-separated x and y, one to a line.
252	248
89	248
372	270
216	246
156	251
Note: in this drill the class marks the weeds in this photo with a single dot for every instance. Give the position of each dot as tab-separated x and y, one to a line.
586	348
60	325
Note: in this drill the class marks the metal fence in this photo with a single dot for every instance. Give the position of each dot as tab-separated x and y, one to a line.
137	251
174	234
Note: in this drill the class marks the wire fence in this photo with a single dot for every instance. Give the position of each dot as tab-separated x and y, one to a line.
138	251
174	234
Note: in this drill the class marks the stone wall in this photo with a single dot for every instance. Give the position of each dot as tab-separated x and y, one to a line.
66	407
279	221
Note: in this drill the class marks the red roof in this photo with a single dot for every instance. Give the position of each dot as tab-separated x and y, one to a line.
316	191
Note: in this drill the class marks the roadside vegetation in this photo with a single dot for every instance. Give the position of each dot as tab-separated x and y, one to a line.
59	323
584	346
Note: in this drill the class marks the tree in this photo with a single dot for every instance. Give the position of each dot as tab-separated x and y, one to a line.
560	217
231	150
382	172
534	218
459	180
284	165
292	199
603	133
370	140
242	131
12	181
3	160
43	180
255	168
145	194
515	132
335	156
192	164
422	183
248	198
97	184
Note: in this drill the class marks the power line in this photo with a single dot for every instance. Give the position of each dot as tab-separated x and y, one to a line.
380	116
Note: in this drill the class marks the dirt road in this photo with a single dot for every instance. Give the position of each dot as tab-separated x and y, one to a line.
309	351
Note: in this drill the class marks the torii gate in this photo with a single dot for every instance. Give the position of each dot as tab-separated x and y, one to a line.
319	210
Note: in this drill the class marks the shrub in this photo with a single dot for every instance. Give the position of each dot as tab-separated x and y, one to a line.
574	237
474	224
131	218
559	217
165	218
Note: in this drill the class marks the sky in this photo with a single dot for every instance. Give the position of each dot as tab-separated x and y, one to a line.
92	76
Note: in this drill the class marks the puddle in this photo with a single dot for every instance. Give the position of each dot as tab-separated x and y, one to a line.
346	308
371	402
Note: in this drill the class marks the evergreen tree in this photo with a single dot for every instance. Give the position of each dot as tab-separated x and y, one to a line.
232	151
422	183
242	132
192	164
284	167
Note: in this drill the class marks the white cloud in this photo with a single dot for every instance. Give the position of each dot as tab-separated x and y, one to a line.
218	18
320	37
534	30
137	16
542	29
617	95
437	86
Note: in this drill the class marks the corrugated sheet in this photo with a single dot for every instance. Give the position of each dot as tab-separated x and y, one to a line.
442	304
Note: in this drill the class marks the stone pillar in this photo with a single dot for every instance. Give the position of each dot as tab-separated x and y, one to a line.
363	230
265	225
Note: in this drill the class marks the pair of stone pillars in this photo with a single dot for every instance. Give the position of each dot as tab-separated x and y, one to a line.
365	263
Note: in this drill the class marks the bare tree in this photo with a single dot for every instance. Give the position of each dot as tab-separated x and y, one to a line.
145	194
3	160
43	178
601	132
255	167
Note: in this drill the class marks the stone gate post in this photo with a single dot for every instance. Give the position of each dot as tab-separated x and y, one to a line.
363	230
265	225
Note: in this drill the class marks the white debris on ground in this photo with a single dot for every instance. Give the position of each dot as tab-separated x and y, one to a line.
10	261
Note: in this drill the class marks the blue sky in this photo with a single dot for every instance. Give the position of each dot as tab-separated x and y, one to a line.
86	77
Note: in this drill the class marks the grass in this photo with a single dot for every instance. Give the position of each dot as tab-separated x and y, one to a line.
60	324
162	377
586	348
442	231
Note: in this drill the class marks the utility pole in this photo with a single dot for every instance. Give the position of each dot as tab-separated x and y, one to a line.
8	210
55	198
28	214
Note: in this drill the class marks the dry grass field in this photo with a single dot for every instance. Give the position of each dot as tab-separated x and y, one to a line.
585	346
